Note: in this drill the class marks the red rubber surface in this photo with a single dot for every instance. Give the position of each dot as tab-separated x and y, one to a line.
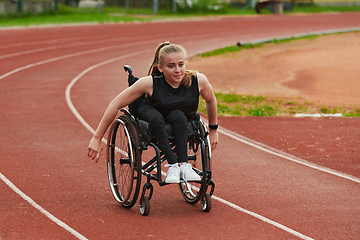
44	145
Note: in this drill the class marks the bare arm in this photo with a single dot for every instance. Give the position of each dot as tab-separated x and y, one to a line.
143	85
207	93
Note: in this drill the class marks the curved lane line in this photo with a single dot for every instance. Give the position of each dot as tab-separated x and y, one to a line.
72	83
264	219
62	224
276	152
89	128
112	40
69	56
39	42
42	210
36	50
310	33
9	183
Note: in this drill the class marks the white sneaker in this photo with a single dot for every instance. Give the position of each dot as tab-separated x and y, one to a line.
187	173
173	174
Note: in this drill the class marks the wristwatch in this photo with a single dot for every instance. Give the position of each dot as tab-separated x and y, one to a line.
213	126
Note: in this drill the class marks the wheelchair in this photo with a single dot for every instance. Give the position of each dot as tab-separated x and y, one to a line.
129	137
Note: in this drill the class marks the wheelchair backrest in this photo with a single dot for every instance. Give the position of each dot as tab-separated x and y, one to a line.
131	80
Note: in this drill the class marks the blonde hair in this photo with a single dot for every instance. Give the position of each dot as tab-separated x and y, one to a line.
166	48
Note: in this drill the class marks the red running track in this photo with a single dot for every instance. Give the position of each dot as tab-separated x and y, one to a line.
50	190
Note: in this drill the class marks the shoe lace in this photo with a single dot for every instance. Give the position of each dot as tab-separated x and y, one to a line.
186	166
172	169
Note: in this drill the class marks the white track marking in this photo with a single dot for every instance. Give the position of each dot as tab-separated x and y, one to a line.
76	44
71	84
69	56
8	182
318	115
109	40
310	33
264	219
281	154
49	41
42	210
62	224
89	128
58	47
75	55
22	44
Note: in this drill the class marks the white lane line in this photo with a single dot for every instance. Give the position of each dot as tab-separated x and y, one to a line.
70	56
9	183
108	40
48	41
42	210
53	60
72	83
62	46
89	128
318	115
284	155
264	219
310	33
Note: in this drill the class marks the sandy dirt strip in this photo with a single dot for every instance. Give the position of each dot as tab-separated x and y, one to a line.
324	71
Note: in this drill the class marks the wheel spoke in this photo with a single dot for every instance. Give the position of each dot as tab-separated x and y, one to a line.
122	152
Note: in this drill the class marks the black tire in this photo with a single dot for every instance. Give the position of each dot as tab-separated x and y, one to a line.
122	162
198	150
145	206
206	202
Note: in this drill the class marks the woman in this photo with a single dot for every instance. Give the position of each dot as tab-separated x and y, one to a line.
173	96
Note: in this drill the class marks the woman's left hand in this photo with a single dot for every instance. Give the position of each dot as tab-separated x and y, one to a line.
213	134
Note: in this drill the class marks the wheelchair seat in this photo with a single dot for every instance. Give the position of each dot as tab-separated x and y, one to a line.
192	128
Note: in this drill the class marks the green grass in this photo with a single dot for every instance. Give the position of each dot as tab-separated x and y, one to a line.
252	105
354	113
67	15
230	49
313	8
118	14
248	46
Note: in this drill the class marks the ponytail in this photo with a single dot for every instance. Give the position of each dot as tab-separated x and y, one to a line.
153	67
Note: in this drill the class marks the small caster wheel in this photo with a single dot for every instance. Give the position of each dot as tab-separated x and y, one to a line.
206	202
145	206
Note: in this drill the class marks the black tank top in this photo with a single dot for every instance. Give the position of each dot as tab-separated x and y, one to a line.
165	98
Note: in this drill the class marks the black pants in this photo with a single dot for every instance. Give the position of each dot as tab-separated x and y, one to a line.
157	123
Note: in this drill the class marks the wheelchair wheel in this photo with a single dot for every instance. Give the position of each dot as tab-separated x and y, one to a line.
198	152
206	202
122	162
145	206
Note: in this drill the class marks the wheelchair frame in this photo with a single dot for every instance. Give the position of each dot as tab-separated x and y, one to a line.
126	142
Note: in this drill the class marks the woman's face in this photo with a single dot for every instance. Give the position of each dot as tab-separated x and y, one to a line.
173	68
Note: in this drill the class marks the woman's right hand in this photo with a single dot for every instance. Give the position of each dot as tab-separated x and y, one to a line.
214	138
95	149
